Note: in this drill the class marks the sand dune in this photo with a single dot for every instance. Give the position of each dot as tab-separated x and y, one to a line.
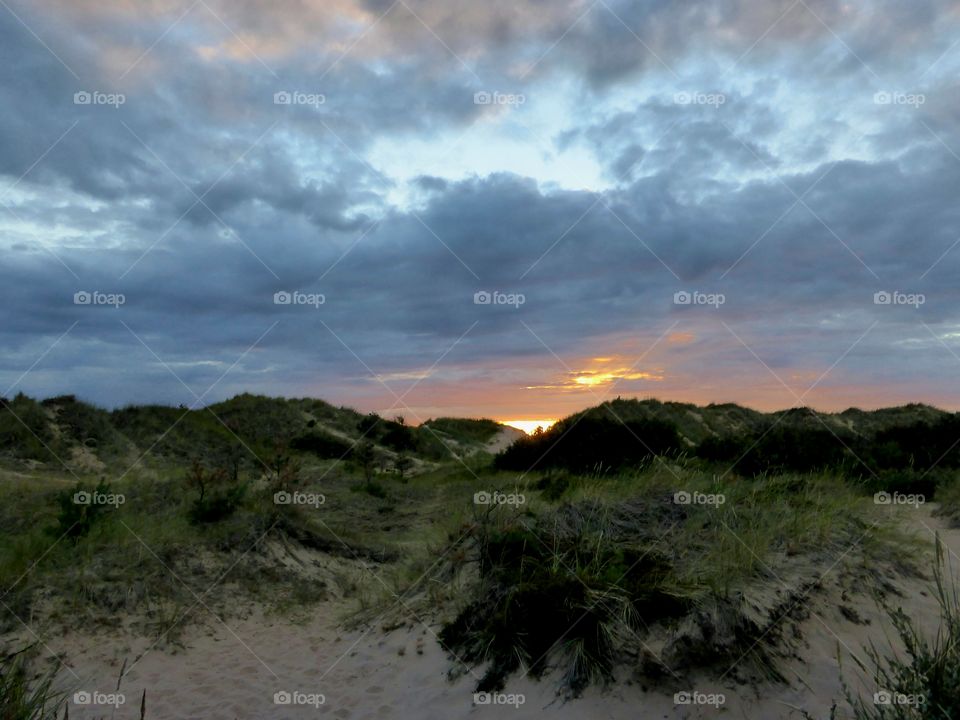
233	670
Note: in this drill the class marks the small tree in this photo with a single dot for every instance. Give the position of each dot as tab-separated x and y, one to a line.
279	460
365	457
234	452
217	497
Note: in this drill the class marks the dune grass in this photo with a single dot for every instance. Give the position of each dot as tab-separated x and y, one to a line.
579	575
612	556
921	681
23	697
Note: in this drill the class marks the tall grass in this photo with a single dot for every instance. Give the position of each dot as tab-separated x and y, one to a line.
23	699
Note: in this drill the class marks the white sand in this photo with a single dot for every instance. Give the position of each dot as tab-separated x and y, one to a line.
233	672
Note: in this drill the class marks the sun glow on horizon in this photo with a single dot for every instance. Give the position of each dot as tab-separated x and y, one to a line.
528	426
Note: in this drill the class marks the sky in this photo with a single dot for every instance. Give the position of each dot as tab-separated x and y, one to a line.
511	209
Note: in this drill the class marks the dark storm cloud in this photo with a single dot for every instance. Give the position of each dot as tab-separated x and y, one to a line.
200	198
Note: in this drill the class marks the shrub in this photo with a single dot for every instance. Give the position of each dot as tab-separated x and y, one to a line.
75	518
321	444
372	488
218	498
574	584
465	430
25	429
782	449
589	444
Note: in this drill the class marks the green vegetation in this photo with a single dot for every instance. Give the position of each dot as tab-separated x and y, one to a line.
582	582
464	430
909	450
594	445
79	510
25	429
21	697
640	524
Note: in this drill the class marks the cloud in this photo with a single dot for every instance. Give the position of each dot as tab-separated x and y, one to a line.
797	198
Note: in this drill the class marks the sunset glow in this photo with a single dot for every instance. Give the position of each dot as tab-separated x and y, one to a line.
591	378
528	426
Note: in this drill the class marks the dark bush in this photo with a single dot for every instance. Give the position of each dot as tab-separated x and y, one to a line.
398	437
574	585
218	496
591	445
25	429
321	444
782	449
76	517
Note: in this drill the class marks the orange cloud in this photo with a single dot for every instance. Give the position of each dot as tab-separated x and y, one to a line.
681	338
599	372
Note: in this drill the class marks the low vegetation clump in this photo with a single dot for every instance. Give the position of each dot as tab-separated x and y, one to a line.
582	578
574	581
80	508
463	430
218	496
948	496
25	432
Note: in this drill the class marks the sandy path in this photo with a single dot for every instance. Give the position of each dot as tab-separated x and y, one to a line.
228	673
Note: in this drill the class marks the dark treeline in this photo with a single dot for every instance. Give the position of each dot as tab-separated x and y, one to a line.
900	455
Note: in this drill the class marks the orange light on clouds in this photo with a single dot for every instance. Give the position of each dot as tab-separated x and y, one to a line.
600	371
593	377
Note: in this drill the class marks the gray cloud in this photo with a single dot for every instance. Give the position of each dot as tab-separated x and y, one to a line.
697	197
